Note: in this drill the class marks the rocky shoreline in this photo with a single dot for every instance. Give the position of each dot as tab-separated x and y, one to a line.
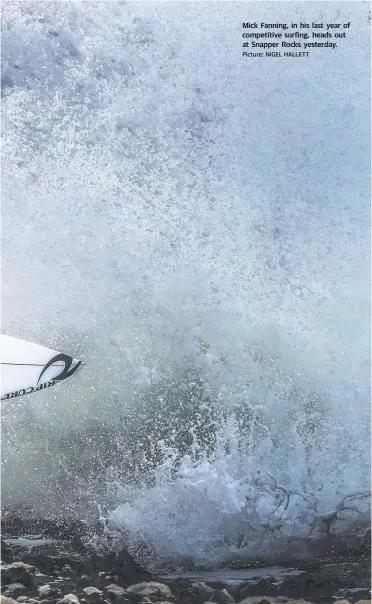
54	563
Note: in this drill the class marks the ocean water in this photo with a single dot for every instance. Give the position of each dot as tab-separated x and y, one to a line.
196	227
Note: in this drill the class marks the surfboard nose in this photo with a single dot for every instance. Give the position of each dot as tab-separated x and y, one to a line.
28	367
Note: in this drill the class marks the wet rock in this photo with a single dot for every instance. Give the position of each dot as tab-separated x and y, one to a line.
6	600
91	591
152	590
22	599
69	599
249	590
65	550
207	593
6	553
61	567
40	579
14	590
48	591
355	595
44	591
18	572
66	571
115	592
300	601
222	596
267	600
191	593
45	558
24	522
120	564
93	594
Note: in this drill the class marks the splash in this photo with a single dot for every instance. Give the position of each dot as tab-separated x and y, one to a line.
207	254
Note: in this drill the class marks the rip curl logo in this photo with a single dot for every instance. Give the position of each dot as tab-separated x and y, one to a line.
68	370
28	390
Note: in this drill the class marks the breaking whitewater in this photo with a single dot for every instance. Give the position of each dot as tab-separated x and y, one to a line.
196	229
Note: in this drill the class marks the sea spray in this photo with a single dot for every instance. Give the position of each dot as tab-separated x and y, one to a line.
206	254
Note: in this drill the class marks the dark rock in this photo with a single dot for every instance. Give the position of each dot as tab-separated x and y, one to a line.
120	564
40	579
93	594
190	593
267	600
115	592
152	590
69	599
351	594
18	572
49	591
51	558
24	522
67	567
222	596
14	590
66	571
90	591
263	586
6	553
47	559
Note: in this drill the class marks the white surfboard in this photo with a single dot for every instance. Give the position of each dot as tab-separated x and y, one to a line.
28	367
